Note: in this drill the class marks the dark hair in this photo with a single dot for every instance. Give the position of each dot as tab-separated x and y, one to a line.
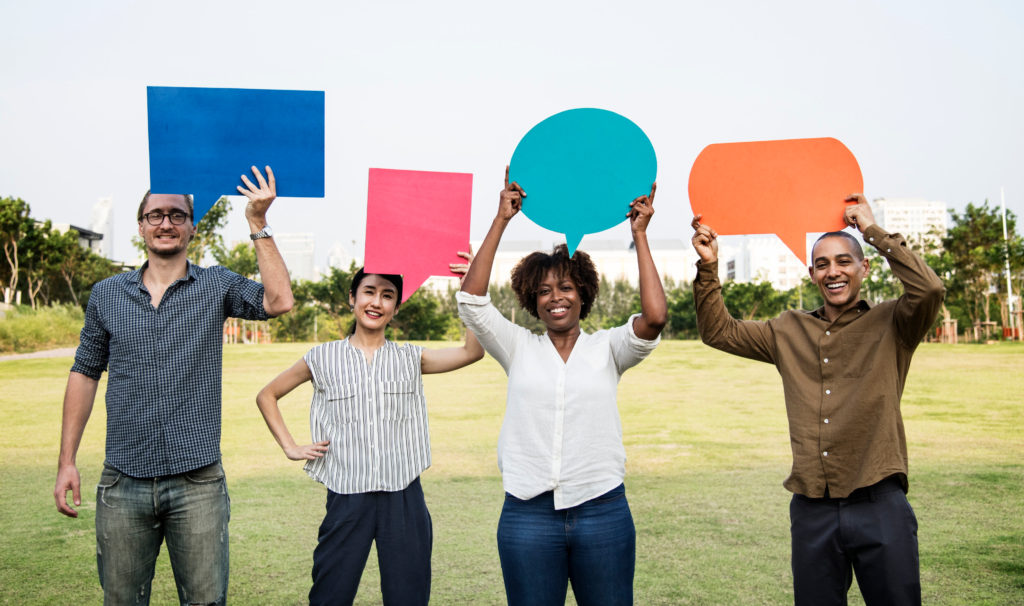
145	198
357	279
395	279
534	267
858	251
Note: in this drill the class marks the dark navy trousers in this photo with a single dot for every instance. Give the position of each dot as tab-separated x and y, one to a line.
872	533
400	524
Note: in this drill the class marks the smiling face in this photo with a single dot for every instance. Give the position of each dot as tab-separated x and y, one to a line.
838	271
166	239
558	302
374	302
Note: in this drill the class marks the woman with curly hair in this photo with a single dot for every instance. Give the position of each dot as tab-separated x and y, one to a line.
565	517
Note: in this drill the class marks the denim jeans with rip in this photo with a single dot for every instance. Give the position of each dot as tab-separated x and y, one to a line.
135	515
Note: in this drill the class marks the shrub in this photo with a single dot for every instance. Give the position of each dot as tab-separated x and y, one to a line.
23	329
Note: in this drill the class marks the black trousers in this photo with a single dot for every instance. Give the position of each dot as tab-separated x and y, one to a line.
398	522
872	533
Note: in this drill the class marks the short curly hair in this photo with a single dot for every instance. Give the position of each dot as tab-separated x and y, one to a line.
534	267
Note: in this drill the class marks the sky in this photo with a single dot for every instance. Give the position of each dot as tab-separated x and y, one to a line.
929	96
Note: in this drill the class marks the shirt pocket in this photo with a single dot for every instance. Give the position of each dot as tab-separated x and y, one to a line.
341	405
400	399
859	351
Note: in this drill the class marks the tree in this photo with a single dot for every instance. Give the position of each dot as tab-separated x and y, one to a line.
682	314
972	260
241	259
753	300
208	238
880	284
14	223
39	252
420	318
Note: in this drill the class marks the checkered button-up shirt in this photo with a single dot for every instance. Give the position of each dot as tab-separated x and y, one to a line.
164	364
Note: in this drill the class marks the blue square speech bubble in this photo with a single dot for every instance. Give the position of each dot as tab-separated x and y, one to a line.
201	140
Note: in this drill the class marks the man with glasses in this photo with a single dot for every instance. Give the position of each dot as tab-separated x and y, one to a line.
158	332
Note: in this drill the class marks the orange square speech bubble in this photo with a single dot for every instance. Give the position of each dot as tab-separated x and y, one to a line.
790	188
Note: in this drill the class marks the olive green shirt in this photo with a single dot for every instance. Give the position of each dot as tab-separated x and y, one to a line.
843	380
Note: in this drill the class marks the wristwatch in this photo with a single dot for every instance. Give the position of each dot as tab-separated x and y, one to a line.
266	232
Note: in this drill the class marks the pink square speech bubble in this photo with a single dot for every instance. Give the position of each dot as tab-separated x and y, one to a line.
416	222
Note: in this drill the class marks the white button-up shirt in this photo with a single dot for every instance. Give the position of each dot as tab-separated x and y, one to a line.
561	430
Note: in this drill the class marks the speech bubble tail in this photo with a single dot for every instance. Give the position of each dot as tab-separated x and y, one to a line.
796	242
201	204
572	240
411	283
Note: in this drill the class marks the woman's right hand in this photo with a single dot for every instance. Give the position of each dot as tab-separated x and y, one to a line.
511	201
307	452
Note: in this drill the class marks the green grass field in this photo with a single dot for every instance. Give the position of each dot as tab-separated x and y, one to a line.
708	450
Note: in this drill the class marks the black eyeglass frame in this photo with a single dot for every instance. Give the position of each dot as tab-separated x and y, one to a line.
176	217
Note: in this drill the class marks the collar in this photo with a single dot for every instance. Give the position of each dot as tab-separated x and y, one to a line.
191	272
861	304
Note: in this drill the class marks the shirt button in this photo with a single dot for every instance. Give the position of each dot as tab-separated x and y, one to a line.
828	332
824	454
872	238
826	421
888	250
828	392
826	360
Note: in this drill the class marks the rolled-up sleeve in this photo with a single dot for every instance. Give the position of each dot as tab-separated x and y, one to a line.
93	348
496	333
244	297
628	349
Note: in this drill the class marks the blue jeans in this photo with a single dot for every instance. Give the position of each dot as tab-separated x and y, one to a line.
592	545
134	515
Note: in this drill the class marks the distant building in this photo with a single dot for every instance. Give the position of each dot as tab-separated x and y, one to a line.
87	238
763	258
920	221
102	222
340	257
297	251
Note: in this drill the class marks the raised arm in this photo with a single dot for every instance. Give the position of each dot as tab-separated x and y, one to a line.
267	401
653	309
78	400
479	274
717	328
923	290
277	294
452	358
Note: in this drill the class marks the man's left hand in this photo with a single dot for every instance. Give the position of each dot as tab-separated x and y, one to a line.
260	196
858	215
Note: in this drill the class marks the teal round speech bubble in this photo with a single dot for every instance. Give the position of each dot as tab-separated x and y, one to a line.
580	170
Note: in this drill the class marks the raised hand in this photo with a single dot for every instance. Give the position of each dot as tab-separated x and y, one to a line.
511	201
641	210
260	196
705	240
462	268
858	215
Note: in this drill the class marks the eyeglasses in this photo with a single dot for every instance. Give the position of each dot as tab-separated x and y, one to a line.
156	217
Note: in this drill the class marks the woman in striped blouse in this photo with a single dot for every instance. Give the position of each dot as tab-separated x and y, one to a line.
368	420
